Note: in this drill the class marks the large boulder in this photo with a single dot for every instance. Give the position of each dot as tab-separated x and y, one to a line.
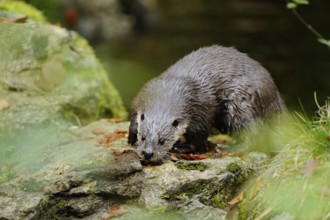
48	72
87	172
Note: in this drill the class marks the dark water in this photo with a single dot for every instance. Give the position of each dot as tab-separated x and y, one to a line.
264	29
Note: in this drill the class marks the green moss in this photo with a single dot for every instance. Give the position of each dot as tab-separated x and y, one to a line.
22	8
233	168
191	166
44	205
54	209
181	196
165	196
189	190
6	177
218	201
158	210
62	203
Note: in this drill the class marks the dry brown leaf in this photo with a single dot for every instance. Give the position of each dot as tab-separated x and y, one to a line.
193	157
108	140
114	120
224	154
117	211
5	169
121	134
97	131
58	24
327	137
14	20
4	104
114	212
126	151
174	158
237	199
325	190
182	139
256	189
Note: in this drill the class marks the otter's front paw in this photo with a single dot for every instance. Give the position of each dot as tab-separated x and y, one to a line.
183	148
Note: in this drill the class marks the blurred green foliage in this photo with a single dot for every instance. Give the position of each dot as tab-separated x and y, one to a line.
296	182
52	9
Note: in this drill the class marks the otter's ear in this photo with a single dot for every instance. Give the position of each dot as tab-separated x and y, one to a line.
142	117
175	123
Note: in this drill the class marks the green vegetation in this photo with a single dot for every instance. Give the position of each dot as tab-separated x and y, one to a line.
296	182
295	3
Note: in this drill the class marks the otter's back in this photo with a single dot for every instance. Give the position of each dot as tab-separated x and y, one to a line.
231	75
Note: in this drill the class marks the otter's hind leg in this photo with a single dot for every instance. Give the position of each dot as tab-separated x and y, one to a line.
133	130
221	121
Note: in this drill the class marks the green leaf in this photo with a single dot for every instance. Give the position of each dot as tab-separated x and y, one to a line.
291	5
324	41
301	2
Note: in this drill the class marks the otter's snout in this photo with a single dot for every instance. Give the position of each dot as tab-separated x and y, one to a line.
147	155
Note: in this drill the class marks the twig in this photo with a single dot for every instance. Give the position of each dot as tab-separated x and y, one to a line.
308	25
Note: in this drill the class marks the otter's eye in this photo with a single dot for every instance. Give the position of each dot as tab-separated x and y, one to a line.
143	138
161	141
175	123
142	117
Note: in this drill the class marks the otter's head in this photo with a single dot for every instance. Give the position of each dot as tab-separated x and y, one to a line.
157	135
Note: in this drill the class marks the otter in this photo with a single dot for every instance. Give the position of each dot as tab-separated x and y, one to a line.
212	87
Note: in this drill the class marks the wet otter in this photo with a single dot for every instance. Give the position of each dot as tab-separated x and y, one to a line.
211	87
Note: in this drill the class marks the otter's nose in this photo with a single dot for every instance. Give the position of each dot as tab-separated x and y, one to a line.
147	155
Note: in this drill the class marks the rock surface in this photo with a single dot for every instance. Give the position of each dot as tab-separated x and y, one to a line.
86	172
47	72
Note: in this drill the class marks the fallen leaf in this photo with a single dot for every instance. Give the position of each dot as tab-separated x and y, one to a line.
121	134
58	24
237	199
114	212
108	140
14	20
97	131
221	139
4	104
126	151
174	158
182	139
327	137
325	190
114	120
5	169
193	157
256	189
224	154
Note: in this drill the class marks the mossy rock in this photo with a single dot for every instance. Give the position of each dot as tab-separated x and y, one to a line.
14	8
48	72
